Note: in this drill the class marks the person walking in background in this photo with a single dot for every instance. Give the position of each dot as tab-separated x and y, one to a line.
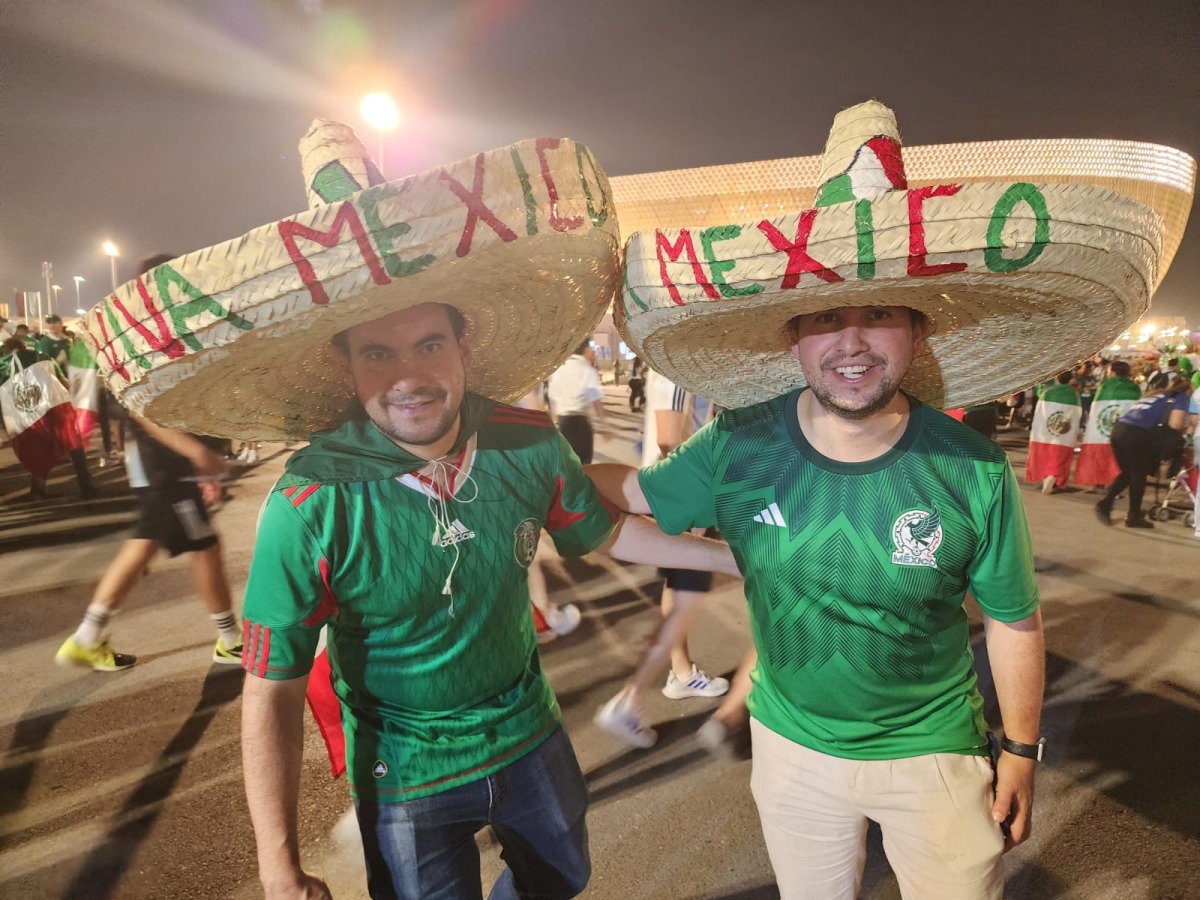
1096	465
637	386
669	421
1054	435
1150	431
575	398
54	344
53	433
175	478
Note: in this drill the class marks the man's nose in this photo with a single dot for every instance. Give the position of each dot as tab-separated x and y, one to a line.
853	339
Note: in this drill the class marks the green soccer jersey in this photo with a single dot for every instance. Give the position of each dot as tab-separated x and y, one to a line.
424	590
856	573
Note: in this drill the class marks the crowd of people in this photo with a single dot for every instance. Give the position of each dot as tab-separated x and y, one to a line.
1105	426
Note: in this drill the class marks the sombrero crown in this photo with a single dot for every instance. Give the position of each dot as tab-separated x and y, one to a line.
1020	277
233	340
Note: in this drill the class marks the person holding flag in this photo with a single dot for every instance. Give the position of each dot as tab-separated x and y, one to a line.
1053	435
1096	466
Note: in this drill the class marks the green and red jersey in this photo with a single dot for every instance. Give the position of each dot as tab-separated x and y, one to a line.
856	572
419	571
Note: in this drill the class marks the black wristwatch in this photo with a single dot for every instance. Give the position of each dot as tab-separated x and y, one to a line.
1029	751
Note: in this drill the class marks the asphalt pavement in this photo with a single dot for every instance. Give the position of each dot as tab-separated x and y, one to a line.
128	785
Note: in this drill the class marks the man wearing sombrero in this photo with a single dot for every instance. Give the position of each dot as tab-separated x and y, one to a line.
860	515
406	529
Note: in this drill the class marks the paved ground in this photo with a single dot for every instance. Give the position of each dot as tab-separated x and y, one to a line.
128	785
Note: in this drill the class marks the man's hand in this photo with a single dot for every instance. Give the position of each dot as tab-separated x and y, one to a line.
300	886
209	465
1014	798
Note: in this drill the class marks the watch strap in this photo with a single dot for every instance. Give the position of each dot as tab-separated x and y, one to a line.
1029	751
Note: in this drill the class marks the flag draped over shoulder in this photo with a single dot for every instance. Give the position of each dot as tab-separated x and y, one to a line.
1053	435
38	416
1096	464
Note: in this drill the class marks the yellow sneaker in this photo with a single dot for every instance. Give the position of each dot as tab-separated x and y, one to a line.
227	656
102	657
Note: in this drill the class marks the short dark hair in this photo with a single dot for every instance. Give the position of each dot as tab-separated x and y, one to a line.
1120	368
52	319
1065	377
579	350
22	325
458	325
153	262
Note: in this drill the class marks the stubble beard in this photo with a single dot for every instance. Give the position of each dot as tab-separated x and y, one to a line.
862	408
421	435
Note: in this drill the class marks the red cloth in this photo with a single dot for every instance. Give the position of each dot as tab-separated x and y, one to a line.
1049	459
42	445
1096	465
327	711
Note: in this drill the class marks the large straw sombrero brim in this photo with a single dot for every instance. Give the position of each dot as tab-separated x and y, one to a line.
234	340
1019	278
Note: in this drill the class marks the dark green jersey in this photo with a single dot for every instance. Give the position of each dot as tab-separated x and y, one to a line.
856	573
431	640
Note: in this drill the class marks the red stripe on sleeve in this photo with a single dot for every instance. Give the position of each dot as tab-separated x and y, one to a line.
305	494
265	656
246	658
287	492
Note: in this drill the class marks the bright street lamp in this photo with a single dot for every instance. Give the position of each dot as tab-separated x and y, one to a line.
111	251
78	302
380	112
56	288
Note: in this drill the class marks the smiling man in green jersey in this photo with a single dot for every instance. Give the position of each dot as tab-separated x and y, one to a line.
860	515
408	531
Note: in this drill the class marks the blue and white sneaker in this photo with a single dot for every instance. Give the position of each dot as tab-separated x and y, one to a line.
696	685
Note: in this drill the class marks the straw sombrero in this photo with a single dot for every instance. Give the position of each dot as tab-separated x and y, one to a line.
233	340
1021	275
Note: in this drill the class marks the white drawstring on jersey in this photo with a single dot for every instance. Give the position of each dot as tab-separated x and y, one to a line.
442	477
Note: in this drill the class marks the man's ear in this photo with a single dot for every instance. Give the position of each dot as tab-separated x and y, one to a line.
922	329
464	348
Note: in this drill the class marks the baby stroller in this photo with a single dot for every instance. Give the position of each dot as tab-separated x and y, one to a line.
1180	488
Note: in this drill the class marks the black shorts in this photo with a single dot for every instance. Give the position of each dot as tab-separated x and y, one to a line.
687	580
174	517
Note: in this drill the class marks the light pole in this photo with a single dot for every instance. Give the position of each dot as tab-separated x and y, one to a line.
54	301
111	251
48	274
381	113
78	303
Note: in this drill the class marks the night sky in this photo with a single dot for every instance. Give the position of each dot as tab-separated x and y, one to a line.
171	126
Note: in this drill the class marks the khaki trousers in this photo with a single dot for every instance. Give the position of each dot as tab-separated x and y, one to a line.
934	811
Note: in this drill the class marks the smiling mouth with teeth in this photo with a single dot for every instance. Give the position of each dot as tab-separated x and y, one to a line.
851	371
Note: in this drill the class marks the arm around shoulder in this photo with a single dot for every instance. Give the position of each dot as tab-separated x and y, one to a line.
619	486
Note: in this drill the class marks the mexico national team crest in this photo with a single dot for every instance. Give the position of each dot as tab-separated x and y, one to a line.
525	541
917	535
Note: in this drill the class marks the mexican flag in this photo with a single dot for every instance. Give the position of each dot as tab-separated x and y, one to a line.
1096	463
38	416
85	388
1053	435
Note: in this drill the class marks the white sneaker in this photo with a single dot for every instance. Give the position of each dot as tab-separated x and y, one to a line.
697	685
252	457
243	454
1048	484
619	717
563	619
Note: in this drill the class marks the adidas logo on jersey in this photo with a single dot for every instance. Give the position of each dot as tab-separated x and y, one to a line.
771	516
455	534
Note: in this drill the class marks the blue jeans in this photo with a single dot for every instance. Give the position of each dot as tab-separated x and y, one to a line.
425	848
